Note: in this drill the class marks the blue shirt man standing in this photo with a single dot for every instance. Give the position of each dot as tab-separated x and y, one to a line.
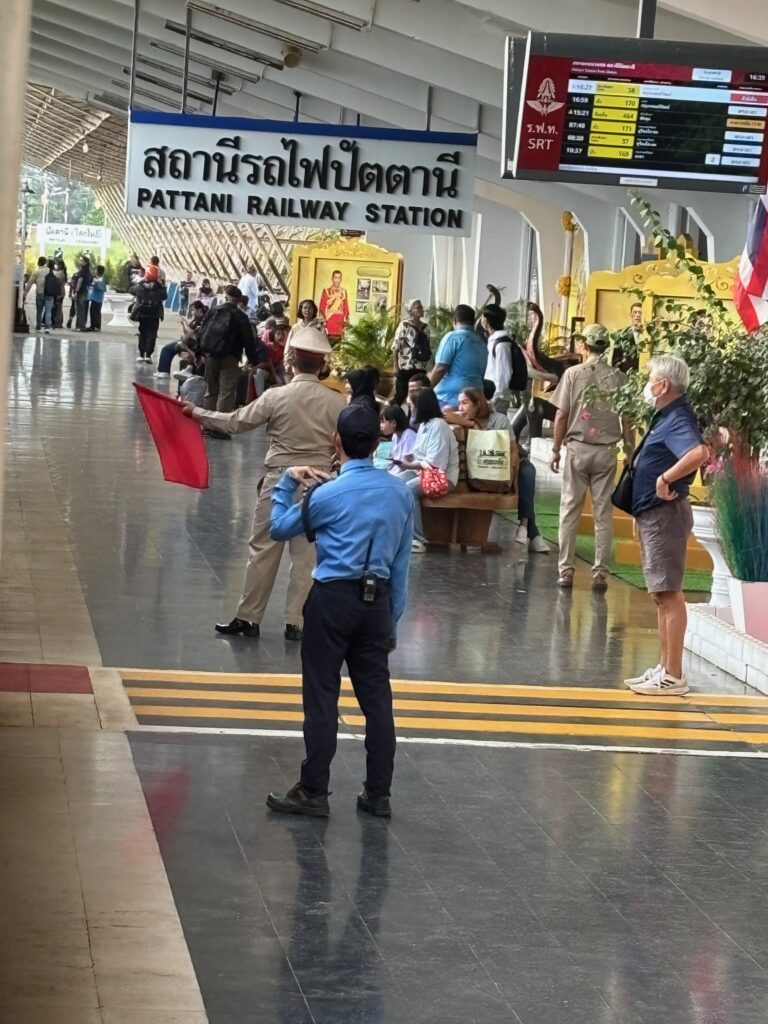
362	523
460	360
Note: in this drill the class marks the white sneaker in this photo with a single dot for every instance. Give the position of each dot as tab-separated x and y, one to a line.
539	545
418	547
182	375
521	535
650	673
665	685
139	359
161	376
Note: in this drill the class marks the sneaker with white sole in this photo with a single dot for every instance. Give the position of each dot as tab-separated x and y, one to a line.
539	545
650	673
161	376
418	547
521	535
662	686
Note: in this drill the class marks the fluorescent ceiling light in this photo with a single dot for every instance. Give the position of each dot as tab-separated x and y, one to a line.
167	86
167	69
195	58
327	13
224	44
202	7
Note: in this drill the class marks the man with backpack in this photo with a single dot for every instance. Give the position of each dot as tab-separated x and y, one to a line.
42	281
411	347
506	365
226	333
148	312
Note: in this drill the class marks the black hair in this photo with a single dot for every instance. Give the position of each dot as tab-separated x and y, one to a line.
395	414
155	261
363	382
426	407
277	309
422	378
49	264
42	261
197	304
489	389
337	272
495	317
99	269
358	447
464	315
233	292
312	303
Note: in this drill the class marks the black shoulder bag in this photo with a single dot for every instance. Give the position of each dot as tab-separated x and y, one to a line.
622	492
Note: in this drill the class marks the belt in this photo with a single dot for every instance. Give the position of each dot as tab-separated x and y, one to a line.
352	581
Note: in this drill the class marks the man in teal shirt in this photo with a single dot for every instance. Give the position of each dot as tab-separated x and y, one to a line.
460	360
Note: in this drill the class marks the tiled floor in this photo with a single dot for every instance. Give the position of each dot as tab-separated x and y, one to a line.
534	887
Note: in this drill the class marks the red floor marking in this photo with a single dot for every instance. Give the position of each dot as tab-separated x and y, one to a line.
14	678
20	678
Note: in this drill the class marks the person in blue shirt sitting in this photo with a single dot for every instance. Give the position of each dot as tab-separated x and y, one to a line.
362	523
461	359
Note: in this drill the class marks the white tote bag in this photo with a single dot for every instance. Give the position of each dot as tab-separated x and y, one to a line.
489	465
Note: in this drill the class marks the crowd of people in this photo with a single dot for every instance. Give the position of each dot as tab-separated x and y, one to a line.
84	289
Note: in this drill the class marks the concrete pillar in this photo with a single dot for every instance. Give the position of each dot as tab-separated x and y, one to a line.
14	43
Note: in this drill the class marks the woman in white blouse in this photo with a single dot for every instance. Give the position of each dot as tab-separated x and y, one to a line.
435	446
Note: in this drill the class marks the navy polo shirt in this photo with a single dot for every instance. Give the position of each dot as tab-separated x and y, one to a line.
672	434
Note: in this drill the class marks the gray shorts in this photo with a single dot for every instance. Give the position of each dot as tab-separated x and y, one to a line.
663	533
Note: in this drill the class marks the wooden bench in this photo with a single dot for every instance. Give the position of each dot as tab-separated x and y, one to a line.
463	518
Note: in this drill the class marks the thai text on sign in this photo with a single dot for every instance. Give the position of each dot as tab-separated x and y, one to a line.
212	168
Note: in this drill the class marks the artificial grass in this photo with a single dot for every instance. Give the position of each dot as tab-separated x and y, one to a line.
695	581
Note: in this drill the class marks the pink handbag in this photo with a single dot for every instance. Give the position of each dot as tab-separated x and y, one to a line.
434	482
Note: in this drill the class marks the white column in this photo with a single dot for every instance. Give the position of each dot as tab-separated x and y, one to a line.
14	43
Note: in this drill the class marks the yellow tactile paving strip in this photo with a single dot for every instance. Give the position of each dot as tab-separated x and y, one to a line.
443	709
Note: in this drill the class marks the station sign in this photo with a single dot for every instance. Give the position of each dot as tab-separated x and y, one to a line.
86	236
272	172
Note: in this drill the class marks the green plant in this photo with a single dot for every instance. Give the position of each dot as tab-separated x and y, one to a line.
366	343
440	321
739	492
728	364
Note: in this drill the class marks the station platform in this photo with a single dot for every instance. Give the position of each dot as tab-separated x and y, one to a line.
560	851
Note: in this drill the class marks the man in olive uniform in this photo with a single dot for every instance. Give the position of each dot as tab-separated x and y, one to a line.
300	419
592	432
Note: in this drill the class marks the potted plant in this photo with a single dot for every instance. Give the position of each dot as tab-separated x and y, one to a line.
739	492
729	378
368	343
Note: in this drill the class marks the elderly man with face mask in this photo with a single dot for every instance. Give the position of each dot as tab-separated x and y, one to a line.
665	465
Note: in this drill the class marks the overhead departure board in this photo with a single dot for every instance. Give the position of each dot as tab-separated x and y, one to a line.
637	112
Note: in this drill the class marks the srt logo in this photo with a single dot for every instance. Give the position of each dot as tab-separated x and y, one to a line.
545	98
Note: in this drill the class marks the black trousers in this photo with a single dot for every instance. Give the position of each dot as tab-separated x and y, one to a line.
148	328
401	385
339	626
95	312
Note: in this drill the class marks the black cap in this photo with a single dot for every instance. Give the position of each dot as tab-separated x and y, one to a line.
359	425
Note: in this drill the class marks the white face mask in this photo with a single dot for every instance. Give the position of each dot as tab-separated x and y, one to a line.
648	394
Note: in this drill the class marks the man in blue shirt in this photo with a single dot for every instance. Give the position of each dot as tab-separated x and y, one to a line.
362	523
460	360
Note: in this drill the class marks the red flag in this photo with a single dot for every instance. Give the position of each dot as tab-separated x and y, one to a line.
178	439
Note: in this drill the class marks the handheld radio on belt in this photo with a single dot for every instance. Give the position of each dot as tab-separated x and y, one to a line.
368	581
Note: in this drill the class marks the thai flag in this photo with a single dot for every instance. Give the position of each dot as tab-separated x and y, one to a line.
750	292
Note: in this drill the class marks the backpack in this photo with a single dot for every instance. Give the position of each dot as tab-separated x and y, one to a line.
51	286
518	381
422	351
216	335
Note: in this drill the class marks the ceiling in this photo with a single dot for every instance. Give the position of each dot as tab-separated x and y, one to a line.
389	62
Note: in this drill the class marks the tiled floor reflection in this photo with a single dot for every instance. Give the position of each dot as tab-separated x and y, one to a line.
158	564
535	887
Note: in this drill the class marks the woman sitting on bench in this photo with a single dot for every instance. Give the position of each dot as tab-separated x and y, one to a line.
476	414
435	447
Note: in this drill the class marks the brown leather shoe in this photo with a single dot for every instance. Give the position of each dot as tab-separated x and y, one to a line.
599	582
565	579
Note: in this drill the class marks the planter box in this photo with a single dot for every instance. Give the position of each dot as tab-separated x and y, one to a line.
749	607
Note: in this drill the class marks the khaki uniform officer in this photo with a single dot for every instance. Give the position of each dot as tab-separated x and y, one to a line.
300	419
592	432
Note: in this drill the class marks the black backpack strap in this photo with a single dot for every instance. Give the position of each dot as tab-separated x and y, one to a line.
309	533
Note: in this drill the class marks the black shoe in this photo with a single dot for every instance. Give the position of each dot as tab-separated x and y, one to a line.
378	806
294	633
298	801
238	627
219	435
